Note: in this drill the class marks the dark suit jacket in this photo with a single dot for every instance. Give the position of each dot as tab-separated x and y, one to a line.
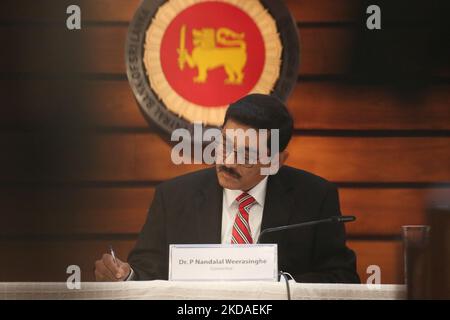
188	210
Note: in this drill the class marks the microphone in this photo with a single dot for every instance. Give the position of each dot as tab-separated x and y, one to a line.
334	219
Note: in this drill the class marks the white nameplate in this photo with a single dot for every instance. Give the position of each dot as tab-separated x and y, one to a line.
223	262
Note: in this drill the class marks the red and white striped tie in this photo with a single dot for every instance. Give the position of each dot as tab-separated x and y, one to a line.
241	228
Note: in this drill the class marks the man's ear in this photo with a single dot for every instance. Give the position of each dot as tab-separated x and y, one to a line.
284	155
274	166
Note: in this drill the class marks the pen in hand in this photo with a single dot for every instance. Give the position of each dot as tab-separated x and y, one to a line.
111	268
118	263
113	254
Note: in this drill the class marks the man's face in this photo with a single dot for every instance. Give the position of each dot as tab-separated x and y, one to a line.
238	176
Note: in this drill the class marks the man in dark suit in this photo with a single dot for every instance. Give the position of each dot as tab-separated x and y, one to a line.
233	203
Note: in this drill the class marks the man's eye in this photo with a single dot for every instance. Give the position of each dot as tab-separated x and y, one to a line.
253	155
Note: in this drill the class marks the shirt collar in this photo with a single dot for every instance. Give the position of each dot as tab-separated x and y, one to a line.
258	192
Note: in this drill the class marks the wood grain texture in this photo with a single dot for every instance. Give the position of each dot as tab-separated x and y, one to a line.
145	156
385	254
314	105
325	51
334	105
56	211
123	10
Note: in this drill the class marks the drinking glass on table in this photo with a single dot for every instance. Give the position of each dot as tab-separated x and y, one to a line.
416	260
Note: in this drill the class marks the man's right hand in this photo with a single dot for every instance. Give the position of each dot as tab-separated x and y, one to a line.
108	270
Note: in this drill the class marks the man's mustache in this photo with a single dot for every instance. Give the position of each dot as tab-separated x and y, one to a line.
230	171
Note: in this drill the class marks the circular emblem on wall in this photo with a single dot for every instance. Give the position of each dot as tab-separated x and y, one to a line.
187	60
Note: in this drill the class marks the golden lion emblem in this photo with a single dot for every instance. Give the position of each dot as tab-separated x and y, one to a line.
206	55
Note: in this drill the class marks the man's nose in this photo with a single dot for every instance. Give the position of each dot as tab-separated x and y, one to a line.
230	160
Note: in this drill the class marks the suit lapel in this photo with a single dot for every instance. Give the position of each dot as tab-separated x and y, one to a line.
208	207
277	205
209	211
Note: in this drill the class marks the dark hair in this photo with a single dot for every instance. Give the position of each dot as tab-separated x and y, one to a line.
262	111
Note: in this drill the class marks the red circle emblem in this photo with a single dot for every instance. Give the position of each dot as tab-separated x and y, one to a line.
212	53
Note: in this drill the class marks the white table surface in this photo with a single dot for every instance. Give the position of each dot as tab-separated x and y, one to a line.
167	290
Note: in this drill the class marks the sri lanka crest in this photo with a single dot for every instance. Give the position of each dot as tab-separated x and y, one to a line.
214	49
187	60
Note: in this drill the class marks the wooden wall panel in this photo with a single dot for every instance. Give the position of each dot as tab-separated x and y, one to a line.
70	51
359	159
61	211
385	254
314	105
122	210
325	51
381	211
48	260
145	156
123	10
343	106
95	103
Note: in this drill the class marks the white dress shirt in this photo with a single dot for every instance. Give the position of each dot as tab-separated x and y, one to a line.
230	209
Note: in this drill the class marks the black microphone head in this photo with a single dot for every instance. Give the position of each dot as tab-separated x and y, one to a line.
346	218
334	219
342	219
